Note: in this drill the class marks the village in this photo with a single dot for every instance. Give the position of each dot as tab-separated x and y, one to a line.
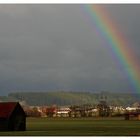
100	110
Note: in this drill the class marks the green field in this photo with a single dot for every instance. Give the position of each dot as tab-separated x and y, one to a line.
78	127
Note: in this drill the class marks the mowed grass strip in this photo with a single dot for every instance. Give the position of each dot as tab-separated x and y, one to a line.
78	127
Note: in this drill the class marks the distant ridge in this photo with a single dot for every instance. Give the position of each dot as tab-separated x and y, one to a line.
70	98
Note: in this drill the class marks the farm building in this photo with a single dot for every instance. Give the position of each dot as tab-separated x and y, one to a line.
132	116
63	112
12	117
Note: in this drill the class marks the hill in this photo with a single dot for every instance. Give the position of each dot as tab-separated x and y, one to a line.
72	98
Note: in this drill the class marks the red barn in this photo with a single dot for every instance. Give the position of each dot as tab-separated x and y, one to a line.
12	117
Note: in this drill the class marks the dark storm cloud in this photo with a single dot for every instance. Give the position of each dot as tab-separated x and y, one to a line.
126	17
53	47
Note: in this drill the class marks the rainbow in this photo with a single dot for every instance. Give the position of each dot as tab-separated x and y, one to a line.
120	47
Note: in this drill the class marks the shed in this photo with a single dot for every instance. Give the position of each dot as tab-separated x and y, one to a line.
132	116
12	117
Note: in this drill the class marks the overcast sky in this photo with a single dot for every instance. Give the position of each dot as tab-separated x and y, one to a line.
54	47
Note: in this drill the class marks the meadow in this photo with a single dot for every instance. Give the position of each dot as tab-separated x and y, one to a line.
78	127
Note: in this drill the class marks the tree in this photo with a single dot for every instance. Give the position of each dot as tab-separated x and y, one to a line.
103	108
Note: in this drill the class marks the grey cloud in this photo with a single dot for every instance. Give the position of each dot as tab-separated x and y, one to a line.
50	47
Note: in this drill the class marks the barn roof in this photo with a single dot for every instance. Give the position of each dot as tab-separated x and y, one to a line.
6	108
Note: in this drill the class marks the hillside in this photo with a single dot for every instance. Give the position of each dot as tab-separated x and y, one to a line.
72	98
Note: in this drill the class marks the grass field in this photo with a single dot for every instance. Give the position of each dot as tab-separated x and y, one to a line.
78	127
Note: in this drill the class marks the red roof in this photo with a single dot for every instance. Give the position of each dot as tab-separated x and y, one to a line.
6	108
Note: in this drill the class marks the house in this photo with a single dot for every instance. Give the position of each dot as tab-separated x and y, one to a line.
51	111
131	109
12	117
63	112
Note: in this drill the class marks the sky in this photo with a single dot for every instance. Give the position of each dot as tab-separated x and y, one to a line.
52	47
